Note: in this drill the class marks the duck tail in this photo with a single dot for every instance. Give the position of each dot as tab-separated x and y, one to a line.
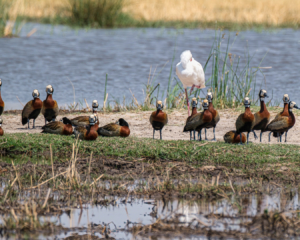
24	121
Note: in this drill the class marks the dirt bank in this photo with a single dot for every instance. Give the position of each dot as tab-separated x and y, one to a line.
140	126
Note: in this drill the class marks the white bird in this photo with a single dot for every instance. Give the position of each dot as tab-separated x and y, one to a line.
190	73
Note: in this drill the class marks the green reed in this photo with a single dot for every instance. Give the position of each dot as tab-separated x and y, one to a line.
96	13
232	79
4	15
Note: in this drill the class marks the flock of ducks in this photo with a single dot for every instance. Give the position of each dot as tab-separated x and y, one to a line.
87	127
191	74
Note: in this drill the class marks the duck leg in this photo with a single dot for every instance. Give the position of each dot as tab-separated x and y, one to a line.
214	139
205	134
280	138
28	123
270	136
286	136
33	123
191	135
260	135
248	138
241	142
200	138
160	134
255	136
45	121
153	132
187	101
194	135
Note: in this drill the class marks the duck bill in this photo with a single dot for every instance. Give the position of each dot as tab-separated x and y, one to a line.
266	95
295	106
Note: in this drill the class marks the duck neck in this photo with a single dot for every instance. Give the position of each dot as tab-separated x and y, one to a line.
285	108
158	111
262	105
49	97
247	110
194	111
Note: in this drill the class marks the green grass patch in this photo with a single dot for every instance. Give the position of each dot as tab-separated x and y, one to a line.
196	153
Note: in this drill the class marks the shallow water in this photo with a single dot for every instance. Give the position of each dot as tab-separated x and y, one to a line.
119	216
55	54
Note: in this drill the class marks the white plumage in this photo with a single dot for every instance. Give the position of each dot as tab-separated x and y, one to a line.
190	73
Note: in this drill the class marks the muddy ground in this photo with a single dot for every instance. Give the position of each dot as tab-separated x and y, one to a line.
140	126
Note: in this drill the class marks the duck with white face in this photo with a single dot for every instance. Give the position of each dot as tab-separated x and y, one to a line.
158	119
50	108
261	118
32	109
282	124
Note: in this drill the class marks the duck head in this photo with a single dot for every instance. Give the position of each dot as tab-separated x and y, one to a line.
292	105
286	98
92	120
49	89
95	105
247	102
209	96
35	94
194	102
205	104
263	94
159	105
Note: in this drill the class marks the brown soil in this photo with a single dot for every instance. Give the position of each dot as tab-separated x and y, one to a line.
140	126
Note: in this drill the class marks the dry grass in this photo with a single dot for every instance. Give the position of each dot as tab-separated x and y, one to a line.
238	11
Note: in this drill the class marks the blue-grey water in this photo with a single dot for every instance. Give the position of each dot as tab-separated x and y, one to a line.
56	54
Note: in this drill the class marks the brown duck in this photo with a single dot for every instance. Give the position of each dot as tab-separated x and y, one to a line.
32	109
50	108
84	120
283	123
58	127
234	137
245	120
1	101
194	112
261	118
119	129
158	118
199	120
87	132
215	114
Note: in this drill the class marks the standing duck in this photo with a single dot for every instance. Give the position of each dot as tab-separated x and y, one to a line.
50	108
84	120
194	112
1	101
87	132
58	127
199	120
215	114
1	130
32	109
285	111
234	137
283	123
261	118
190	73
118	129
158	118
245	121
